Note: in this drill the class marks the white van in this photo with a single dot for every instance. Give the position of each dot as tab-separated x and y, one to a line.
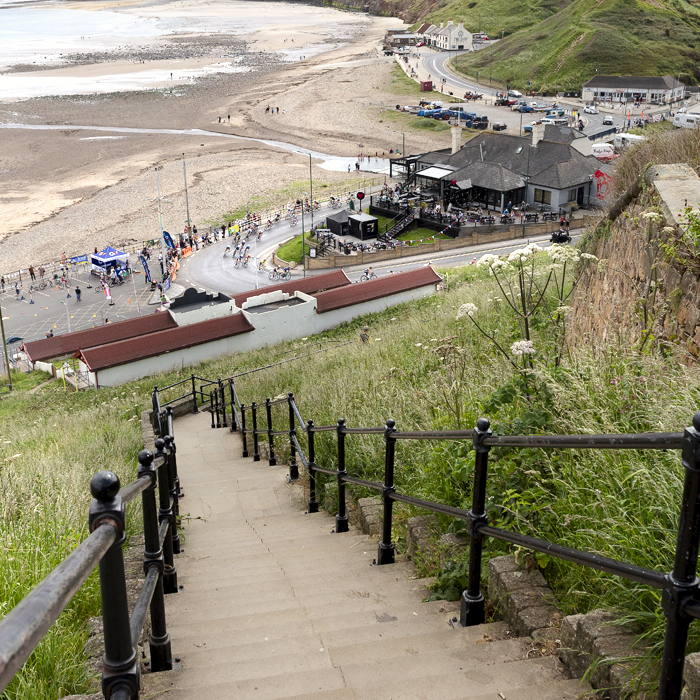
555	121
686	121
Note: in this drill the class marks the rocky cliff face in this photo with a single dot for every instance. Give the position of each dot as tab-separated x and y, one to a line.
638	295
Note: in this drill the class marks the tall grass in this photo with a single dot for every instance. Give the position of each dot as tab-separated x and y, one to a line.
51	444
426	370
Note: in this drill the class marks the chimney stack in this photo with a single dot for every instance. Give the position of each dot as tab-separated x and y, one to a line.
456	138
537	133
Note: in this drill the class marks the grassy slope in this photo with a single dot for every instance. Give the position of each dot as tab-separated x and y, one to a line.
426	370
637	37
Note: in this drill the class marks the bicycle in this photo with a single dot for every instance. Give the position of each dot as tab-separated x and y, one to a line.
274	275
366	277
61	283
38	286
285	274
293	220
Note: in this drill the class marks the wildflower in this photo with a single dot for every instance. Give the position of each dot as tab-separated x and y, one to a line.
522	347
563	310
376	340
562	253
653	216
418	345
588	256
487	260
466	310
668	230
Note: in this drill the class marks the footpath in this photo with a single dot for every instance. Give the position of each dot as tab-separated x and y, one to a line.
276	605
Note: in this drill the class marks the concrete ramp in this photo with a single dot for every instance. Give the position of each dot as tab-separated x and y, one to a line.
276	605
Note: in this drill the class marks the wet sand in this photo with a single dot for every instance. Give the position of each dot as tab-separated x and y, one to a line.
74	190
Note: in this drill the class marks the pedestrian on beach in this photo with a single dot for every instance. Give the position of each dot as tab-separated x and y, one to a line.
2	282
42	271
31	273
50	333
78	294
16	291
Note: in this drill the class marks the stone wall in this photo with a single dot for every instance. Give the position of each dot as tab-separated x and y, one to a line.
637	290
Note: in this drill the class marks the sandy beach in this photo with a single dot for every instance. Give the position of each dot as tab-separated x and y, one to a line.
72	190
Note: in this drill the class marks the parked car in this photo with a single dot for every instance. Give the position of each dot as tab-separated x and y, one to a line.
608	120
590	110
499	126
515	93
525	109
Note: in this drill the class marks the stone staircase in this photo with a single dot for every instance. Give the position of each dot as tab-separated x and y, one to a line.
276	605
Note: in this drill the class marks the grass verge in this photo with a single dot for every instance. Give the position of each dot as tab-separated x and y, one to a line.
292	250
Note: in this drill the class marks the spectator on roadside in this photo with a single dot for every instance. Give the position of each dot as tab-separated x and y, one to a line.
31	273
78	294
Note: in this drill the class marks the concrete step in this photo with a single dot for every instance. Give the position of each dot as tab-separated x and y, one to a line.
275	605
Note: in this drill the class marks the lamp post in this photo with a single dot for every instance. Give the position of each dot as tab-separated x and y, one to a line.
187	201
4	350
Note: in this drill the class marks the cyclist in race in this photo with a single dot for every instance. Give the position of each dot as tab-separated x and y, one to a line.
228	250
368	275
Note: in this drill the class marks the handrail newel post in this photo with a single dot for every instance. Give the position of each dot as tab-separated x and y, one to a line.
293	467
472	609
270	437
169	438
385	554
163	421
243	433
313	503
233	406
211	408
222	391
173	488
256	453
341	520
216	406
682	584
158	639
154	405
120	667
165	511
194	396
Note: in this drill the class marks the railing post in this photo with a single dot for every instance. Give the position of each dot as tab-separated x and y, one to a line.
270	437
256	453
313	503
293	468
216	404
385	554
194	395
154	405
233	405
243	434
211	408
682	583
158	639
169	438
174	494
165	511
341	520
163	420
472	610
224	423
120	667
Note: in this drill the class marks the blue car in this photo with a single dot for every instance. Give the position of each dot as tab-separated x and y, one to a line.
524	109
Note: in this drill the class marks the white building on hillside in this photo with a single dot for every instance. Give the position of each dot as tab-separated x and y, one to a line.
453	37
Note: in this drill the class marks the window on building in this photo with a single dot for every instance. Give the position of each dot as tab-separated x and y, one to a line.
543	196
572	196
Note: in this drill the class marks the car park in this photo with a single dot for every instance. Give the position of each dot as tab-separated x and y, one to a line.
590	110
498	126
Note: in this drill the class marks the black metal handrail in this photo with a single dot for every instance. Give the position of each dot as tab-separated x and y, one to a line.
681	588
25	625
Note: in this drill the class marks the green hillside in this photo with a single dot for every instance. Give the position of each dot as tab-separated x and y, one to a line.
557	44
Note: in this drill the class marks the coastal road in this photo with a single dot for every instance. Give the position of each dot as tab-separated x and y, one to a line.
208	274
